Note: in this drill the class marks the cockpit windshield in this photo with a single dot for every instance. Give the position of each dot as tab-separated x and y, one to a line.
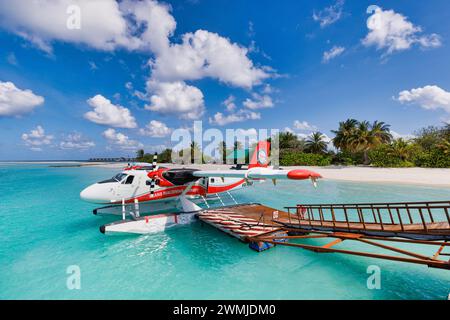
117	178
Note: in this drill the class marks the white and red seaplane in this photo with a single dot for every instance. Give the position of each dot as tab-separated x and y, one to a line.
143	190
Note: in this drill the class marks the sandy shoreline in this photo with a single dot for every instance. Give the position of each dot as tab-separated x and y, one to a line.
417	176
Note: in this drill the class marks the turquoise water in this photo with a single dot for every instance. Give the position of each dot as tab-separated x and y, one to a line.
44	228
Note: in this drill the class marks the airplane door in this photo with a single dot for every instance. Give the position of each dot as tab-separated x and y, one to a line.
127	189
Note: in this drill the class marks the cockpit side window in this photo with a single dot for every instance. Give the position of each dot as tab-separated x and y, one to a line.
129	180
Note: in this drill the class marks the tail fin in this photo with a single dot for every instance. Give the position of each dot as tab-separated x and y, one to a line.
260	157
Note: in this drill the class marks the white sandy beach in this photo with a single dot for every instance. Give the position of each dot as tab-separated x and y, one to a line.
418	176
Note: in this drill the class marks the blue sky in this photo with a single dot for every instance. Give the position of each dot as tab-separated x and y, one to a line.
75	94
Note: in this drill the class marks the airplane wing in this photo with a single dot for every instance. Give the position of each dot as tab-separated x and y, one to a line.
260	173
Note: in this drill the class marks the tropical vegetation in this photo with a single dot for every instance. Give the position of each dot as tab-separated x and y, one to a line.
354	143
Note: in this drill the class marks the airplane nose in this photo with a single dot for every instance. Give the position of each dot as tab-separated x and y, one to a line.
87	194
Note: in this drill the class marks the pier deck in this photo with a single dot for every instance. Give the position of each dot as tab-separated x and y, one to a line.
416	223
242	221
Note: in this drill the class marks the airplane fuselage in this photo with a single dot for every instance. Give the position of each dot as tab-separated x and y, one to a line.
156	185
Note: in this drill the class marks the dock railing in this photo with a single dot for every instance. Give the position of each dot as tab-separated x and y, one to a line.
370	216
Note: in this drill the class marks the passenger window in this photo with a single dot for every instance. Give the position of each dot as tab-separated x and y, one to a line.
212	180
129	180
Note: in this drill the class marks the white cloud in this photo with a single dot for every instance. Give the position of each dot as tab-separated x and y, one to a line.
332	53
109	114
428	97
393	32
330	14
76	141
258	102
242	115
37	138
121	141
205	54
156	129
304	126
103	25
16	102
141	25
176	97
229	104
397	135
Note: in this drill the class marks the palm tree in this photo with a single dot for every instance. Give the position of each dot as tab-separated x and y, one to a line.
344	133
367	137
140	154
222	147
195	149
289	140
316	143
400	148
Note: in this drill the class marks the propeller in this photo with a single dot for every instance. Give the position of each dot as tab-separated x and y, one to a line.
153	180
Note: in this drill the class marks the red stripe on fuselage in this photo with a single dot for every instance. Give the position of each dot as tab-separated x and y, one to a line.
173	192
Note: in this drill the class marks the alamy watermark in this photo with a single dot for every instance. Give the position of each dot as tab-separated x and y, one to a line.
73	21
73	281
374	279
197	146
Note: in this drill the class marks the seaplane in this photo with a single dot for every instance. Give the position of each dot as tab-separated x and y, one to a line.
142	191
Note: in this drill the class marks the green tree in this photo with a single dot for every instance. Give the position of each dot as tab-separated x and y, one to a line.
368	136
344	134
400	148
316	143
222	147
140	154
289	140
195	149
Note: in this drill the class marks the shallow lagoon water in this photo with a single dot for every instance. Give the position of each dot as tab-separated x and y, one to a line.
45	227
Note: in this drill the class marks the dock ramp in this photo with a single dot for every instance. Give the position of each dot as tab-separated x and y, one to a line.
374	224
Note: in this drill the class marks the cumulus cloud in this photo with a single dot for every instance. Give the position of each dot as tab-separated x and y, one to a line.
156	129
205	54
176	97
304	126
121	141
37	138
141	25
15	101
392	32
330	14
241	115
258	101
109	114
428	97
332	53
103	25
76	141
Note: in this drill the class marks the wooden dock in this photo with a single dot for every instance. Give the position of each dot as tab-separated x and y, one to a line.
421	223
242	221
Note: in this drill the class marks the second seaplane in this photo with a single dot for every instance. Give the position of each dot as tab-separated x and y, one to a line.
141	191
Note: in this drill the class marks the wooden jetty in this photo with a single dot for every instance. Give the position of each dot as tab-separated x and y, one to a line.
374	224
